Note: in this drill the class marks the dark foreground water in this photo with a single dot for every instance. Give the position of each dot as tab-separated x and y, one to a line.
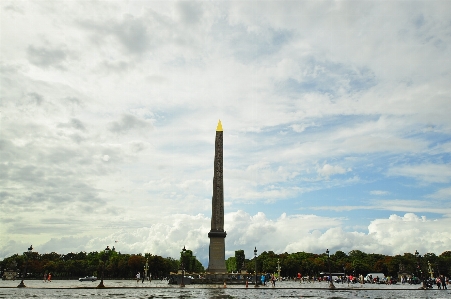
217	293
285	290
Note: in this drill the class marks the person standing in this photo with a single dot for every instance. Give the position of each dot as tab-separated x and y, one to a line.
438	282
443	281
45	277
49	277
138	276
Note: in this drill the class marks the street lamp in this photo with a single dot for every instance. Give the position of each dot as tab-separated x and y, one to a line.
146	268
418	256
331	283
182	285
104	258
21	284
278	269
430	270
418	260
344	273
255	260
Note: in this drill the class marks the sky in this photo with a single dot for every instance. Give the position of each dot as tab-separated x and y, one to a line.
337	132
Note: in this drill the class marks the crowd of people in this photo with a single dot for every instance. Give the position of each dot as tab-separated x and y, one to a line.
441	281
268	278
138	277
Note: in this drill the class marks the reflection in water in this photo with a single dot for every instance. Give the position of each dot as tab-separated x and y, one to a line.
217	294
128	289
169	293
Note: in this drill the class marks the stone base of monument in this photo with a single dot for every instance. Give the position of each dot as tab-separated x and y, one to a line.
178	280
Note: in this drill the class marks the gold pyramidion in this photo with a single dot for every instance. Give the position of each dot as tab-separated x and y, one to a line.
219	128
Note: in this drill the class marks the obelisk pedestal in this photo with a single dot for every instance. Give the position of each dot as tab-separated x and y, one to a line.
216	263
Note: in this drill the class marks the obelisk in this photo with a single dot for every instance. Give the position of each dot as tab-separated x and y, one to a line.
216	263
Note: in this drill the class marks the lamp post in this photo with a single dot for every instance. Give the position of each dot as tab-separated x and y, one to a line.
418	256
146	268
344	273
255	260
105	256
419	272
331	283
430	270
21	284
182	285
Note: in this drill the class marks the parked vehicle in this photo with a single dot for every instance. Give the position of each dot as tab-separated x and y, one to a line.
9	275
88	278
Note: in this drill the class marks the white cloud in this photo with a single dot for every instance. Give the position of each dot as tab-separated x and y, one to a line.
403	232
379	192
429	173
394	235
328	170
444	193
396	205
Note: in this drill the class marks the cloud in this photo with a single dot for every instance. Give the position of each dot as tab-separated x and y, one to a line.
329	78
14	7
73	123
129	122
399	231
137	146
244	231
444	193
131	32
328	170
35	98
427	173
190	11
379	192
250	45
46	57
394	205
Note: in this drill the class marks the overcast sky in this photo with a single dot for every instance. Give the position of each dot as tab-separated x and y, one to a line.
336	118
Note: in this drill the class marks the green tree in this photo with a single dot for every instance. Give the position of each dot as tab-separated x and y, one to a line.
171	265
190	262
136	263
239	259
231	264
120	265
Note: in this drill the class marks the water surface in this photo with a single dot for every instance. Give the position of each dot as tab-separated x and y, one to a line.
160	289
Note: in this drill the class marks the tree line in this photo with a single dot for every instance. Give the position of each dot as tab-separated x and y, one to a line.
75	265
354	263
117	265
